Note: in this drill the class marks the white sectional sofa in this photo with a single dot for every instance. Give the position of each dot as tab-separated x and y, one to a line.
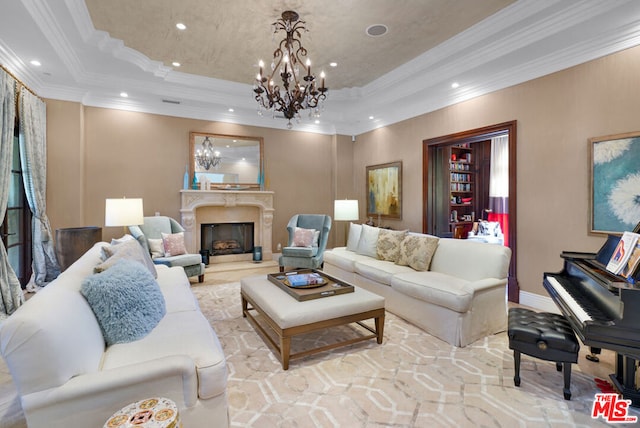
456	289
67	376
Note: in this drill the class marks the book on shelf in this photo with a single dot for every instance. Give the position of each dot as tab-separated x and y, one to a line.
623	252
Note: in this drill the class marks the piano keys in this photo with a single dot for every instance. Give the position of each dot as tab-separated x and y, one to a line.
603	310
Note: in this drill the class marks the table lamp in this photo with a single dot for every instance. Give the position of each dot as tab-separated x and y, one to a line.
123	212
345	210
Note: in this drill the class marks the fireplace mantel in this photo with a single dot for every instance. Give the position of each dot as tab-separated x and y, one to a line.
191	200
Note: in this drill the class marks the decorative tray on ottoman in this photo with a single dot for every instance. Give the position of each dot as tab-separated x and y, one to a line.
308	284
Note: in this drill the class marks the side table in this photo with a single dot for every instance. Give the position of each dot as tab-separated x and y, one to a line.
157	412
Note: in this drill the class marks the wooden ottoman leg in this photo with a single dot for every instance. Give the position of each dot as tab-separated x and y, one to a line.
245	307
285	351
380	328
516	363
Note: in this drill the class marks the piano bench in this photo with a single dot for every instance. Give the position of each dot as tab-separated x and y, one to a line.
546	336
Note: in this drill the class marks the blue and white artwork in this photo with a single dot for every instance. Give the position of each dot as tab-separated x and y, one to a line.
616	185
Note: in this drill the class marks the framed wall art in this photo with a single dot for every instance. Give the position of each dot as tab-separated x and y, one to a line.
614	183
384	190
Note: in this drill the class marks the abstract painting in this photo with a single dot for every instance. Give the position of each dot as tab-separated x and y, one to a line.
615	183
384	190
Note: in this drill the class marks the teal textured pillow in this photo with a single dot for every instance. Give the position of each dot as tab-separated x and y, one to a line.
126	300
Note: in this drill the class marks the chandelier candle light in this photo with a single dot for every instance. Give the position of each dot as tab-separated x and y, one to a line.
298	91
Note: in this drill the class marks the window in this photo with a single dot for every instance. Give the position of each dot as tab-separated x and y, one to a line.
16	227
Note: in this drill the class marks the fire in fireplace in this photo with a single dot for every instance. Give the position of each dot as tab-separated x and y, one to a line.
226	238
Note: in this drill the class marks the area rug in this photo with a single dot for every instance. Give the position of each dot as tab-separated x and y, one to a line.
411	380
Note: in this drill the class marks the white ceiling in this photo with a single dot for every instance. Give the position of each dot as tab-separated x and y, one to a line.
484	45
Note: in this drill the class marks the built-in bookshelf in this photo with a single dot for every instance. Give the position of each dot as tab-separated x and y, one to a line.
462	181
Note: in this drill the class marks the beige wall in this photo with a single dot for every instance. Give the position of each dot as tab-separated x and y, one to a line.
556	115
97	153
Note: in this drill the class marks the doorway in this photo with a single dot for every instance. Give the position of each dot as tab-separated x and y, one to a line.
437	208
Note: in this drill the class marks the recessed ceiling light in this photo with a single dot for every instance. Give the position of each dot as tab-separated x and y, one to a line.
333	64
317	121
124	94
370	117
455	85
181	26
231	110
35	62
377	30
176	64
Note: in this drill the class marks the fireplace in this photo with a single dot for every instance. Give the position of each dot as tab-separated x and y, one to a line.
222	239
200	207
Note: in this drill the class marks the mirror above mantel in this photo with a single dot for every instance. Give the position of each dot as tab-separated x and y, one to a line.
226	162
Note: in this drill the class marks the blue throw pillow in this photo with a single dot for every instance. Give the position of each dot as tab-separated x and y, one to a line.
126	300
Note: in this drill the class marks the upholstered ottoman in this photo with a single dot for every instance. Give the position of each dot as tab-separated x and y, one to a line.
287	317
546	336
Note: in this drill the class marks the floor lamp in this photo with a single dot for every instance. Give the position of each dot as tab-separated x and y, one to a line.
123	212
345	210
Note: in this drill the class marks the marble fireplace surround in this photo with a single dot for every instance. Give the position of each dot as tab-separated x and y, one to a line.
228	206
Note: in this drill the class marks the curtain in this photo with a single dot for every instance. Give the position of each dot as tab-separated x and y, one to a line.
33	157
11	296
499	184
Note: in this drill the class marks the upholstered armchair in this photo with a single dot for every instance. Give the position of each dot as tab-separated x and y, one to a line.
308	235
150	236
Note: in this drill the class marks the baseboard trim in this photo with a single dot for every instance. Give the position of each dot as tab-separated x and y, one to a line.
538	302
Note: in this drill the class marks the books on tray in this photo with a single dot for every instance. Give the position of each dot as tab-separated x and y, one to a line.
626	256
302	279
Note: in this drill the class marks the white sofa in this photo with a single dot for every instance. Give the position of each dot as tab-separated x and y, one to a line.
67	377
461	298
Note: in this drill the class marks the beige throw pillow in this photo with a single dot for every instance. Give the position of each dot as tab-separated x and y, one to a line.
156	247
388	246
417	251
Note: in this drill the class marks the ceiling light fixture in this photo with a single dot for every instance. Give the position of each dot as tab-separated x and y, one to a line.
176	64
36	63
206	156
299	91
455	85
181	26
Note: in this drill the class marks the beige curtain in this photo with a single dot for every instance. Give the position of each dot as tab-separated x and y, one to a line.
33	157
11	296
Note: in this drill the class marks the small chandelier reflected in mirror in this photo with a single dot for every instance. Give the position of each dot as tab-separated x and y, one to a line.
206	156
299	89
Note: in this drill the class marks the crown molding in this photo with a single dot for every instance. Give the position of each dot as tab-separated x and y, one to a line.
523	41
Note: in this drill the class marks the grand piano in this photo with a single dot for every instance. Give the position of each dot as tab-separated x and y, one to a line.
603	310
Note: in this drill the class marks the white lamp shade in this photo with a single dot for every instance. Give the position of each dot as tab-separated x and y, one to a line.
346	210
123	212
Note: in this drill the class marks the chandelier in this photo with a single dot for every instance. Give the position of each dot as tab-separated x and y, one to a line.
206	156
298	89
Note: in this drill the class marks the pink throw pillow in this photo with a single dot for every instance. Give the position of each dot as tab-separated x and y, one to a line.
173	244
303	237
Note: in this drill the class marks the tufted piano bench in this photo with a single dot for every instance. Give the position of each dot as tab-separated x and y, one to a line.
546	336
